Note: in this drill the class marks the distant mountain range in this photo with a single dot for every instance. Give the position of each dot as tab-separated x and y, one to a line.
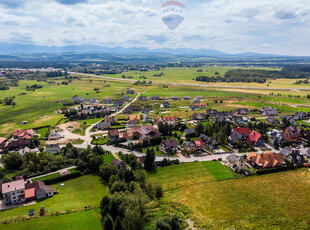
14	48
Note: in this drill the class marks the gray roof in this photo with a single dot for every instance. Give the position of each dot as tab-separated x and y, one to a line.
233	158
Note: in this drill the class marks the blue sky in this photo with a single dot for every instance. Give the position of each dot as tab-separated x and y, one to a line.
263	26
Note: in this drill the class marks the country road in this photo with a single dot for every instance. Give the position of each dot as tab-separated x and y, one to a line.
88	130
195	85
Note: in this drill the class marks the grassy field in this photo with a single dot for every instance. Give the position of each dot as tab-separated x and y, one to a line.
108	158
38	108
90	219
217	170
274	201
76	194
48	177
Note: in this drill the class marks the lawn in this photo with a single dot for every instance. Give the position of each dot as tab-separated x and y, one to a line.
217	170
100	141
108	158
77	193
273	201
90	219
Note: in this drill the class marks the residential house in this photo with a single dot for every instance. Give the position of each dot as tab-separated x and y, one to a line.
194	107
211	112
243	111
130	91
103	125
142	98
108	101
276	136
166	104
236	163
146	110
155	98
269	111
289	119
120	165
272	121
266	160
175	98
197	99
198	116
201	105
256	139
238	120
2	143
132	108
55	136
113	135
118	103
80	100
143	132
111	119
42	190
169	146
186	98
243	131
146	118
300	115
93	101
188	132
306	136
169	120
135	117
234	138
132	123
52	148
189	147
126	98
293	156
24	134
208	141
14	192
199	144
292	134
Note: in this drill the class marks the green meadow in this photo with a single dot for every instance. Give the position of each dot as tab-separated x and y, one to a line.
77	193
273	201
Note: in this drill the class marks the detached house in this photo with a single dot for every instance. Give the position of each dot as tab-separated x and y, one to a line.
189	146
14	192
130	91
256	139
108	101
293	156
243	131
236	163
113	135
300	115
198	116
292	134
166	104
243	111
269	111
169	146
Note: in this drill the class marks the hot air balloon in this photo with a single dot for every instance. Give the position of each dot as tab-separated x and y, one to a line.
172	14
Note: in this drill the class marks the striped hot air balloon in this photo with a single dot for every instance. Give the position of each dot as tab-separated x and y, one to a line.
172	14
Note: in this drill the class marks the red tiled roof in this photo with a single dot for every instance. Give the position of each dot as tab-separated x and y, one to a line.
2	140
199	143
254	137
242	130
29	193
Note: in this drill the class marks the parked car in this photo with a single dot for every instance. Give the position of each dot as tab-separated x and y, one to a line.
31	212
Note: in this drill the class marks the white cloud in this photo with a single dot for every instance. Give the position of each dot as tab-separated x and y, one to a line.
228	25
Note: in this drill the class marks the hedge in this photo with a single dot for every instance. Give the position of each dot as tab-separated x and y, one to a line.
63	178
274	170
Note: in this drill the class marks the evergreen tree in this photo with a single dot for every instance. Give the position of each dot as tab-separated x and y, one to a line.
149	160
